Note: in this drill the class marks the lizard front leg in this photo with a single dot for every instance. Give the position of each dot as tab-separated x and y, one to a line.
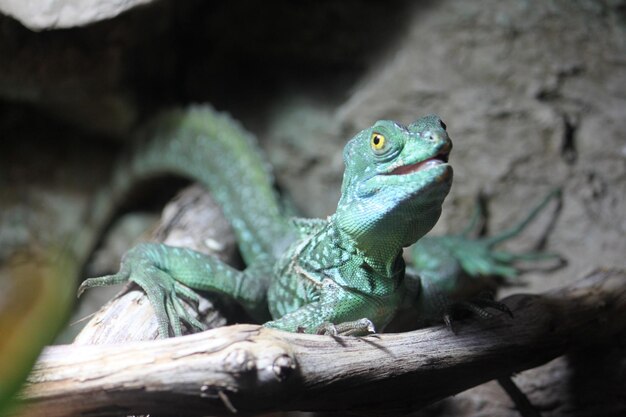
167	273
441	298
338	311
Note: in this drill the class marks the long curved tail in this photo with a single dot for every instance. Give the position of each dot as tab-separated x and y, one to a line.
205	146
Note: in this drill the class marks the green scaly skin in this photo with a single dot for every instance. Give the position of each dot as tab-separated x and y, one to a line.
342	275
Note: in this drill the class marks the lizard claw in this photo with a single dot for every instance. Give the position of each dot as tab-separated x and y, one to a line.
104	281
478	306
162	290
359	327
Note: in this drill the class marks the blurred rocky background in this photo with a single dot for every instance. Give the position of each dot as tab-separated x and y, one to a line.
533	93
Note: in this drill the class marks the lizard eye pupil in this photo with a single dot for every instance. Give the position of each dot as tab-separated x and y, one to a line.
377	141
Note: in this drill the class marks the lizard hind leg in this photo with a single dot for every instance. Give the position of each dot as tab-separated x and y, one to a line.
519	227
478	218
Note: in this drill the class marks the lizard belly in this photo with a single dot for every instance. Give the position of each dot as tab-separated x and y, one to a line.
289	291
292	287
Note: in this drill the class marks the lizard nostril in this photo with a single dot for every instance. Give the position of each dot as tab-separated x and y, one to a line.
434	136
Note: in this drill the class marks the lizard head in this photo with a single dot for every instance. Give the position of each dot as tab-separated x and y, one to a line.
395	181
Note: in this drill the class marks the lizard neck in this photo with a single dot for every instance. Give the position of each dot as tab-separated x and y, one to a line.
381	256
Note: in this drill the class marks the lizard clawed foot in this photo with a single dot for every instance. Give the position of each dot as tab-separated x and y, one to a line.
477	306
361	327
162	290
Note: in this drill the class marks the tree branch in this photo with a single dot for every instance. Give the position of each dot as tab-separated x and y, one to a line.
252	369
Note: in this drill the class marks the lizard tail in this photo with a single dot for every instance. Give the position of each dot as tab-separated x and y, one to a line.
203	145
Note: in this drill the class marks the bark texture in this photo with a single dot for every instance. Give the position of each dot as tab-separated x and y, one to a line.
252	369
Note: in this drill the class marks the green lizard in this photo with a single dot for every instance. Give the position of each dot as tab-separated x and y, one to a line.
342	275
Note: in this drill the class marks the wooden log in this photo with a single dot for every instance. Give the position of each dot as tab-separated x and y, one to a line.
252	369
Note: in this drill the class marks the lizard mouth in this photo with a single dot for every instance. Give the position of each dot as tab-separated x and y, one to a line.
439	159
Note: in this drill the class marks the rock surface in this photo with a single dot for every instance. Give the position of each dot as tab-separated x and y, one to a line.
51	14
533	96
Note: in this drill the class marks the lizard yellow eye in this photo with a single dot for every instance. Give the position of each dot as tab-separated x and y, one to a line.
377	141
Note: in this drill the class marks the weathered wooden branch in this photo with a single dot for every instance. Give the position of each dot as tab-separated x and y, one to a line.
252	369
